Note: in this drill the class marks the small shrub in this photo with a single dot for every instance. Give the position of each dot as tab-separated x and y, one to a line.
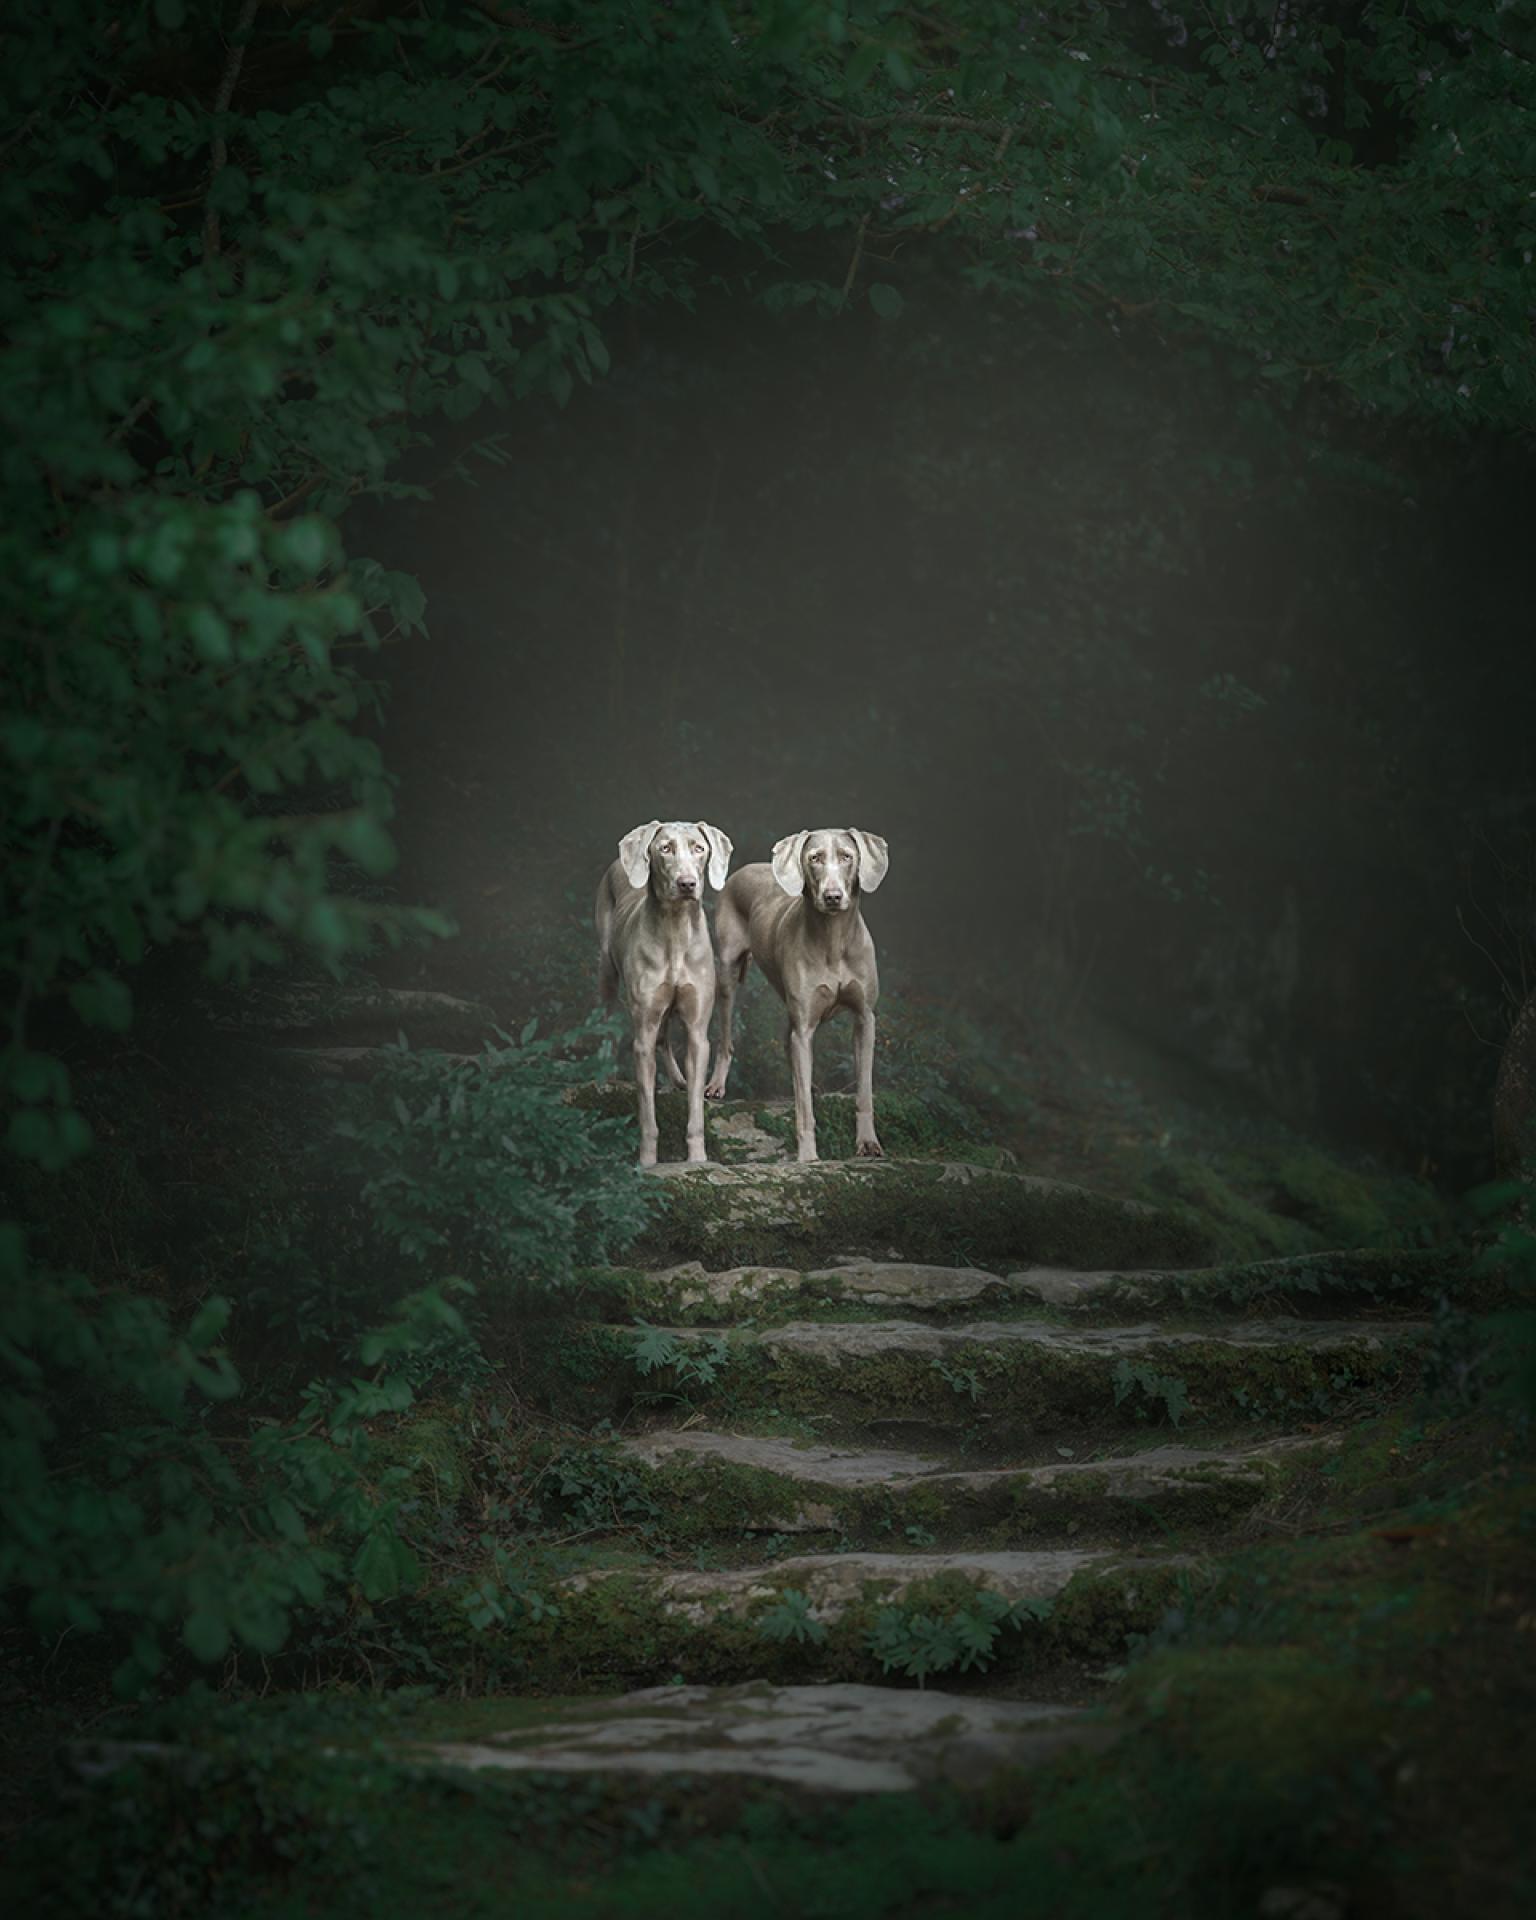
905	1640
791	1619
692	1363
1165	1390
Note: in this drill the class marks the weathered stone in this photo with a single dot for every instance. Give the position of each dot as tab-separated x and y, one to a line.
726	1484
826	1739
835	1582
1132	1476
917	1211
899	1283
833	1342
1342	1281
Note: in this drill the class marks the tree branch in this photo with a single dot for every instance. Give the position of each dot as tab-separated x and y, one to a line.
221	100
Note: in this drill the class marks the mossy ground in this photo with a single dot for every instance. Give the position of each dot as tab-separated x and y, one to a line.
1288	1197
1332	1687
1356	1711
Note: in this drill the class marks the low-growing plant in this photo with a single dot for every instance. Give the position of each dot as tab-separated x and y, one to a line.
130	1509
482	1167
790	1618
1157	1390
503	1595
695	1362
963	1381
917	1643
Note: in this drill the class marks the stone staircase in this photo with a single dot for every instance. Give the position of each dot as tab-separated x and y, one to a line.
924	1419
919	1419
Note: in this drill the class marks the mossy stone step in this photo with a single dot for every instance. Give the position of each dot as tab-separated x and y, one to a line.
997	1381
1341	1282
638	1626
1329	1284
947	1213
690	1293
1003	1373
725	1484
831	1738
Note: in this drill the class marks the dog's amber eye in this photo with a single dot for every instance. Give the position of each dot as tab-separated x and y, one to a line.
818	859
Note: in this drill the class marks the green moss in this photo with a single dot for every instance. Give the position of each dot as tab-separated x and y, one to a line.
806	1217
430	1443
1260	1203
721	1501
1367	1279
619	1632
1020	1387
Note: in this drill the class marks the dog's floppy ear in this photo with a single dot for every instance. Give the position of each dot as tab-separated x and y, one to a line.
874	858
720	850
635	853
786	862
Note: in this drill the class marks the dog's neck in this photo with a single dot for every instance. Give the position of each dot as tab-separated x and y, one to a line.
677	921
828	934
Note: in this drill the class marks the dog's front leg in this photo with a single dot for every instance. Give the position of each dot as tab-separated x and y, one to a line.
647	1026
866	1145
696	1066
801	1035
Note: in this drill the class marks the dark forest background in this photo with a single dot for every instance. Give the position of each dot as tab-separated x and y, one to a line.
1088	445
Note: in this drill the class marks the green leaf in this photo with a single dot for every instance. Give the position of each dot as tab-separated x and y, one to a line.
385	1565
886	300
101	1000
206	1634
209	633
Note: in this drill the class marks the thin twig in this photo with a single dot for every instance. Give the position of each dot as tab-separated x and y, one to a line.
221	100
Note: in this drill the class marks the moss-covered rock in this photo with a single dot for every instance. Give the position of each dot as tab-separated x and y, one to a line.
1292	1198
639	1627
947	1213
717	1486
996	1382
1362	1280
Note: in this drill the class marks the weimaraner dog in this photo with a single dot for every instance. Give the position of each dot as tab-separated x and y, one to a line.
655	949
798	916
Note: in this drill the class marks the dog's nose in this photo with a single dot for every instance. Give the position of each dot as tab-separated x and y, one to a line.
833	896
687	888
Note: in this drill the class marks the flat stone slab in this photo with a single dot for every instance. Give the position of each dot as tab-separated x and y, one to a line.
833	1341
834	1582
1063	1287
1347	1277
816	1465
692	1288
780	1179
917	1211
1141	1475
836	1738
